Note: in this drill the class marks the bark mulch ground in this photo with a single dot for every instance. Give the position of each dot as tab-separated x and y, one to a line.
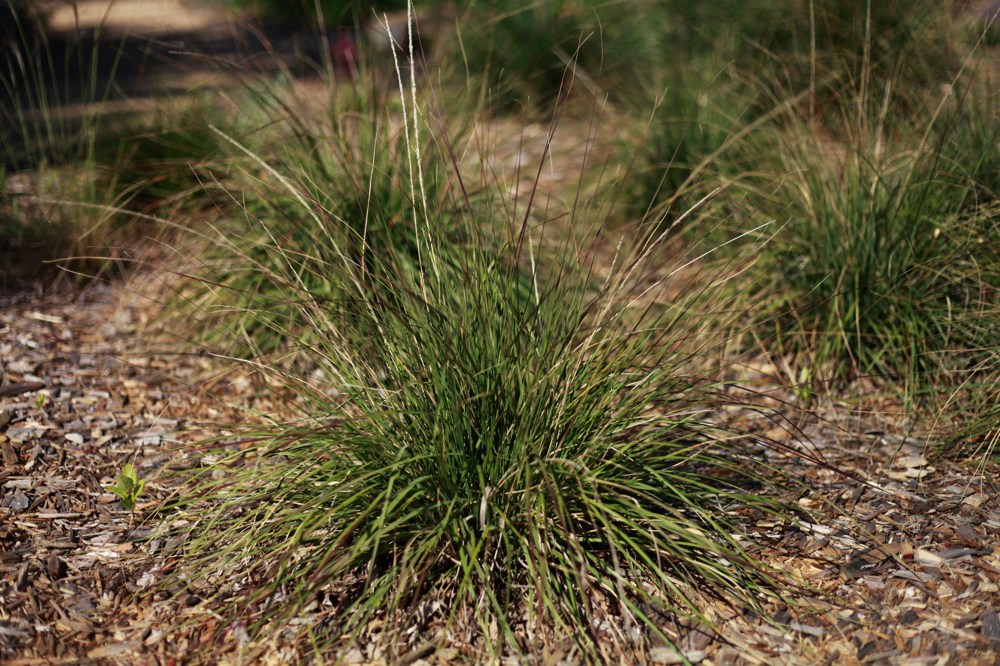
906	557
76	404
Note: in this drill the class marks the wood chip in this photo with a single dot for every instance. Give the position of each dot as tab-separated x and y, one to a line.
991	625
19	388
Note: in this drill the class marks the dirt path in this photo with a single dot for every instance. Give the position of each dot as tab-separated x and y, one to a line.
140	16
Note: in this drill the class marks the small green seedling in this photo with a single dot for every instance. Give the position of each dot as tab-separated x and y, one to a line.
803	389
127	487
40	400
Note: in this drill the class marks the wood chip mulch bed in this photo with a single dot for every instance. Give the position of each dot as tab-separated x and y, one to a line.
906	558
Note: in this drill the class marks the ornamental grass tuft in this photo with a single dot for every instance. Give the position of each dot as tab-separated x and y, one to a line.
494	428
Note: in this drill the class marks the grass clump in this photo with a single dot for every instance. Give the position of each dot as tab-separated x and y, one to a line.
968	132
54	214
533	53
700	137
542	461
84	160
349	163
41	74
727	75
36	140
828	46
911	44
166	159
967	418
966	421
882	267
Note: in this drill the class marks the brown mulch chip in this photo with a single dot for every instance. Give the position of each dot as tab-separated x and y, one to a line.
900	565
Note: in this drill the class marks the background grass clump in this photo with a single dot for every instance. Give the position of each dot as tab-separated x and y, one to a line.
618	49
880	260
166	158
531	53
703	137
725	78
85	165
351	165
